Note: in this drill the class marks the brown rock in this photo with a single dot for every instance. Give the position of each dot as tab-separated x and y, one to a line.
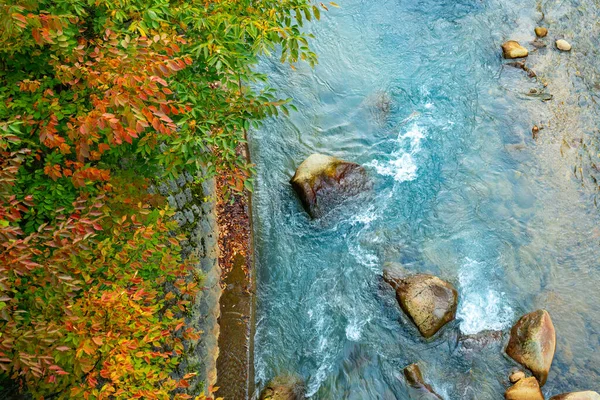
513	49
427	300
415	380
533	342
524	389
323	182
517	376
284	388
540	31
589	395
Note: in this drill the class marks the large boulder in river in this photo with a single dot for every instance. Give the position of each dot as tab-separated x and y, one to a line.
589	395
286	387
427	300
415	380
525	389
323	182
513	49
533	342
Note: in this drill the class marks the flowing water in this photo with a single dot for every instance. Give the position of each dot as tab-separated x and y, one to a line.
417	92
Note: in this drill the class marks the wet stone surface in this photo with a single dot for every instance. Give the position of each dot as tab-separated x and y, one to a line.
195	214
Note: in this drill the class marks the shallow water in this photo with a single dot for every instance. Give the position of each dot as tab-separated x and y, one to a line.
417	92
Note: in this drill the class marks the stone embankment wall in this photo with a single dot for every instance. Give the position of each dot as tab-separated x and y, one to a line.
195	205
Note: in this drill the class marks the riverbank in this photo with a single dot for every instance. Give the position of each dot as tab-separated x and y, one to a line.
221	240
235	365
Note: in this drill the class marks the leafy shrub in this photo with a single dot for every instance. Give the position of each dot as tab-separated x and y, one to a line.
99	97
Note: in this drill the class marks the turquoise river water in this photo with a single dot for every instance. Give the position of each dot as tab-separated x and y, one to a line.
417	92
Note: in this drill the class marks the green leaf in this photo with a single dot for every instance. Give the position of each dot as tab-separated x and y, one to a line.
316	12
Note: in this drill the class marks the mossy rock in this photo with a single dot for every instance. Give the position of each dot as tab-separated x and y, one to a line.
324	182
429	301
533	343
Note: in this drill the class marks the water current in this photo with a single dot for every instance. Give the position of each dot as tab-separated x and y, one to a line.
418	93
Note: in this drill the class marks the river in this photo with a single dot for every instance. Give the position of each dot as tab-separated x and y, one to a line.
418	93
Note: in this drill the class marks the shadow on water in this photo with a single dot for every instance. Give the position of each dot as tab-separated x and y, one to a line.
417	92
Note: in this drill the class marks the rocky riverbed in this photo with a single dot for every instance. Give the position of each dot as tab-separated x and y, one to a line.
484	181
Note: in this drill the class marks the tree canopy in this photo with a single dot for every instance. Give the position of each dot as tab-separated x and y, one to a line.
100	98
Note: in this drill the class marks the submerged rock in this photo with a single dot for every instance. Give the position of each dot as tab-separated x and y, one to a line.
563	45
524	389
323	182
284	388
513	49
475	343
521	65
589	395
540	31
543	96
533	342
427	300
415	380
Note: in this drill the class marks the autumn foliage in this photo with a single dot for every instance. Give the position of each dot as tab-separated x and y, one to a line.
98	99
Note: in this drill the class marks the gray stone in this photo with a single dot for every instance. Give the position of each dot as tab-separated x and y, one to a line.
180	218
181	181
173	185
189	215
163	189
181	200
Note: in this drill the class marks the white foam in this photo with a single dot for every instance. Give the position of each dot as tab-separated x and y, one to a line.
354	331
402	169
402	166
415	134
481	306
363	256
315	383
365	216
